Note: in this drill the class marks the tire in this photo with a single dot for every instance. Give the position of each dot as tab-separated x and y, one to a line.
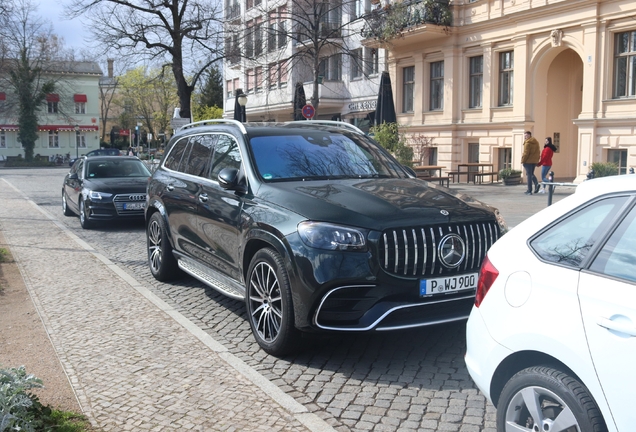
269	305
84	222
67	211
559	396
162	263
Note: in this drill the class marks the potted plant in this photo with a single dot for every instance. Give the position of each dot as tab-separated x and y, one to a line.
510	176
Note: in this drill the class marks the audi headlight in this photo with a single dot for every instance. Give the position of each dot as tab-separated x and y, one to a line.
95	195
322	235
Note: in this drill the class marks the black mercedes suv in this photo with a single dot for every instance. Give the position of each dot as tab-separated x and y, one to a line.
316	227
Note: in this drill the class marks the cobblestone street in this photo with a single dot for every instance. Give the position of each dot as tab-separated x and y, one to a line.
413	380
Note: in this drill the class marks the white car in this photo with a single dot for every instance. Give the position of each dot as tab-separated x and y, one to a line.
551	340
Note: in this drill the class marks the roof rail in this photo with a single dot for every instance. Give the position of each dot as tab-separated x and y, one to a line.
328	123
212	121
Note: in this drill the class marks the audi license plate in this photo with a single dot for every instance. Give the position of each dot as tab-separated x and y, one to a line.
135	206
447	285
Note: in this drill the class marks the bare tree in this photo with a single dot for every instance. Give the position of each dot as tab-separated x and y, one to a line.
187	35
107	91
30	57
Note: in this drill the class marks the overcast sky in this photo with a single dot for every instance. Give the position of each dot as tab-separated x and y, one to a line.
71	30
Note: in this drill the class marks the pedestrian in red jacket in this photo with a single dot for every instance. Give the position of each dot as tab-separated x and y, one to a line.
546	160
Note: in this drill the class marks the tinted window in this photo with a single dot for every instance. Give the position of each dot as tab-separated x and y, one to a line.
569	241
118	168
176	154
618	256
226	155
319	155
200	152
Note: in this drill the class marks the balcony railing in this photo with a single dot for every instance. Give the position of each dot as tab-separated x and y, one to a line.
395	19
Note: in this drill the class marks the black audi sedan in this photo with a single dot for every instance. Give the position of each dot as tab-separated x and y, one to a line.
316	227
102	188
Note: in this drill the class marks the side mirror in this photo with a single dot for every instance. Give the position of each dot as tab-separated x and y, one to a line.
73	176
229	178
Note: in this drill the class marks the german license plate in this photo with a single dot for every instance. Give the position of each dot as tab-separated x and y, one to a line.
135	206
447	285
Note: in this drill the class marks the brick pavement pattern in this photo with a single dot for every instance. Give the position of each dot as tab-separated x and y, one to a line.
132	365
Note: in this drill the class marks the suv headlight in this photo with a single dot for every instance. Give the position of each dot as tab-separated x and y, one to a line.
95	195
327	236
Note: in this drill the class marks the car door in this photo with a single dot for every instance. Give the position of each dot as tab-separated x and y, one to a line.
220	209
178	195
607	296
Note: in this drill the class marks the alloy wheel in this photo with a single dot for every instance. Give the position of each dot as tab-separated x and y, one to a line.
539	409
154	246
266	302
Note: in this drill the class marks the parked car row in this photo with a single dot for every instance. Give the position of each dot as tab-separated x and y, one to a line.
318	229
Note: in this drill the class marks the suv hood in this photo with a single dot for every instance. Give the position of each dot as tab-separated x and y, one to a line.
375	203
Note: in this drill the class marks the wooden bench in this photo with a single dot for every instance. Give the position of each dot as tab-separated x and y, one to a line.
440	180
493	175
458	174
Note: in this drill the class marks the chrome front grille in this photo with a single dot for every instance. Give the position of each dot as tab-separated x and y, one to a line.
413	252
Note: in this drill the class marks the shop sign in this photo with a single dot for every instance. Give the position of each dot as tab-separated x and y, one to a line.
362	106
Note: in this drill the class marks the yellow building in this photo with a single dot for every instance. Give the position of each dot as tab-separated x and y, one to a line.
564	69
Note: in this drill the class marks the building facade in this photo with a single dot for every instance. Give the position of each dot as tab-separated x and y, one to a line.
68	124
564	69
264	60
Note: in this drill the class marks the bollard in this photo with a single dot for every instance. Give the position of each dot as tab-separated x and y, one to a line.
550	188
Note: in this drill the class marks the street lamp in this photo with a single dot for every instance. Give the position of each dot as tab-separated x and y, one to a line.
77	129
242	101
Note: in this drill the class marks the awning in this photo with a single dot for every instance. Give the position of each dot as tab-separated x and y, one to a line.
79	98
60	128
52	97
3	96
66	128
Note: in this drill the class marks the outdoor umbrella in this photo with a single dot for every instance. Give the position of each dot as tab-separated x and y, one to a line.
239	111
299	101
384	109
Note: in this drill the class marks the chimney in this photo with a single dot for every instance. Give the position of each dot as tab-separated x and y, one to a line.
110	68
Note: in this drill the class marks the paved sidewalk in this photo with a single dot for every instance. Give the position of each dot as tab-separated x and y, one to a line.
134	362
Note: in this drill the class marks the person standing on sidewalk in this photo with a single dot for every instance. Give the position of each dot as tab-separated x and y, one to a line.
530	159
546	161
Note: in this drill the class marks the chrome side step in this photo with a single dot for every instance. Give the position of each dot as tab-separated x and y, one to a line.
213	279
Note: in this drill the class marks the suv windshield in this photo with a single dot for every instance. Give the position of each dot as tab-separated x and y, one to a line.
320	155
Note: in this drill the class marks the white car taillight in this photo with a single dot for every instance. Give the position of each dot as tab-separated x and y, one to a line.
487	275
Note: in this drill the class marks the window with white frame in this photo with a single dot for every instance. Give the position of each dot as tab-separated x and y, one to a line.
356	63
359	8
506	75
330	68
476	81
259	78
3	139
371	61
618	157
80	139
408	87
436	97
80	107
51	107
625	65
54	141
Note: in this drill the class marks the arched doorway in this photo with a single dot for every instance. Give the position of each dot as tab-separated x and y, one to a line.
562	94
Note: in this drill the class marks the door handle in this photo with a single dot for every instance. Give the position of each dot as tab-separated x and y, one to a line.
618	326
170	188
203	197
